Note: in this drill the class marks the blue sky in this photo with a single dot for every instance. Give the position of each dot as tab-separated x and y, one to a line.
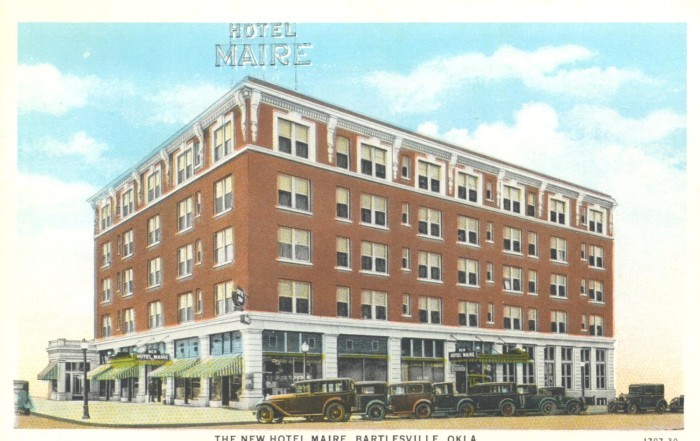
602	105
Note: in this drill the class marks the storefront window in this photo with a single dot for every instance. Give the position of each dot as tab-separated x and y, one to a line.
186	389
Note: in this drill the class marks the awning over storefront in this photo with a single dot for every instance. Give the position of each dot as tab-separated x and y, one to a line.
490	358
174	368
216	366
120	373
50	372
96	373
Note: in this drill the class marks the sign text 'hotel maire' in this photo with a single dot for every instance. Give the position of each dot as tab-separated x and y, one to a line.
262	44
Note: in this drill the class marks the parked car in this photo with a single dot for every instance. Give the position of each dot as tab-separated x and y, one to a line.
331	398
411	397
446	401
23	402
509	399
371	399
568	404
641	397
676	404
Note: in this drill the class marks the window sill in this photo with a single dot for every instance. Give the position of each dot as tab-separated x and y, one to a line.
344	220
226	211
297	262
533	256
595	302
183	277
468	244
152	288
516	293
294	210
222	264
430	237
534	294
344	269
153	245
406	270
596	268
124	296
378	227
464	285
128	256
405	225
374	273
560	262
185	230
436	282
512	253
558	298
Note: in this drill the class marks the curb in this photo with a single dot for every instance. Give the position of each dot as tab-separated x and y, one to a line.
139	426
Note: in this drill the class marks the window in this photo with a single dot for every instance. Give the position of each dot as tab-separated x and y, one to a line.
429	266
532	319
489	272
343	301
293	138
583	287
512	317
489	192
406	305
200	303
508	368
106	326
429	310
293	192
512	279
128	321
105	216
406	259
373	161
155	315
198	154
489	232
490	314
223	246
342	203
558	322
154	185
557	211
557	249
532	244
154	272
405	167
468	230
405	214
374	305
595	256
586	367
342	252
127	202
106	254
185	214
199	253
511	240
374	257
467	187
549	363
595	291
294	245
557	285
469	314
600	369
595	221
184	166
511	198
595	325
583	251
373	210
106	293
429	176
532	282
128	282
529	367
223	295
468	272
567	361
185	310
128	243
584	322
294	297
223	195
223	141
185	261
430	222
153	230
342	152
530	210
198	204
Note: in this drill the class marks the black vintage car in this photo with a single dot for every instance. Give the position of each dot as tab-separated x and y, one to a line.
641	397
371	399
331	398
447	401
570	405
411	398
676	405
509	399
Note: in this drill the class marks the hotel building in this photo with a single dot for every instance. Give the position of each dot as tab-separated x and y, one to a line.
277	236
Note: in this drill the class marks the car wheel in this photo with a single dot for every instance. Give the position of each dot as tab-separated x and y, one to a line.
574	408
612	407
507	409
335	412
632	409
376	412
423	411
661	407
466	410
265	414
548	408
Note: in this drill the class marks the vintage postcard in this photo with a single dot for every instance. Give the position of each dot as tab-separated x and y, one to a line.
261	227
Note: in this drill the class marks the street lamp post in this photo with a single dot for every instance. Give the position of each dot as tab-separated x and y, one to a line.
304	350
86	411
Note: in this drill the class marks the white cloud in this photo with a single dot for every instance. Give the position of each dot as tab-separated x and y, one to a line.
180	104
79	145
429	128
43	88
544	69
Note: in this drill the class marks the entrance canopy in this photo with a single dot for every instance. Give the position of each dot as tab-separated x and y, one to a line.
174	368
215	366
96	373
50	372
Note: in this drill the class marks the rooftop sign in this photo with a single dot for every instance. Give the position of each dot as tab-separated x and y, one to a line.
262	44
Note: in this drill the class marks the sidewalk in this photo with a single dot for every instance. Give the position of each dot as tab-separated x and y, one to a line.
140	415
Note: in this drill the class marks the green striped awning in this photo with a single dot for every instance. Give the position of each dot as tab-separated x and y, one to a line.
174	368
50	372
215	366
98	371
120	373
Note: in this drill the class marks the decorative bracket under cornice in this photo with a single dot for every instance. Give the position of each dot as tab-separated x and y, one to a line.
451	173
499	187
330	137
540	202
254	108
164	157
240	101
395	159
199	133
136	178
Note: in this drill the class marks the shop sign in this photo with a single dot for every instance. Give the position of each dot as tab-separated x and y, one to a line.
152	357
462	355
458	367
262	44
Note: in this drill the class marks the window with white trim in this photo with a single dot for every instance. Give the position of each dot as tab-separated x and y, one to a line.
223	195
293	138
154	230
406	305
557	285
128	243
106	292
223	141
155	276
532	282
512	317
489	272
373	161
468	272
405	214
185	308
406	167
511	198
374	257
294	245
105	216
342	203
531	209
155	315
106	254
558	322
429	310
595	291
106	325
429	266
373	210
467	230
198	251
600	369
405	259
128	282
198	152
128	321
430	222
512	279
595	256
532	319
184	166
583	251
342	152
557	249
293	192
468	314
198	204
489	192
199	303
489	232
429	176
467	187
185	260
595	221
223	295
185	214
512	238
223	246
342	252
127	202
154	184
294	297
567	367
557	211
342	301
374	305
490	314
